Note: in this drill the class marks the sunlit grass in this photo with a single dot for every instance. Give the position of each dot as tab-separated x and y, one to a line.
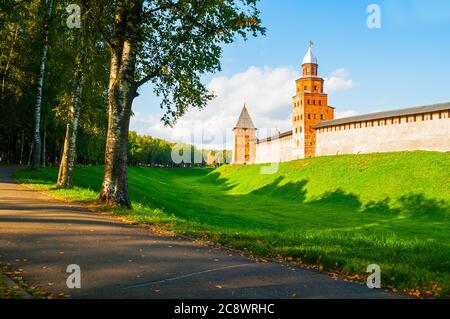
338	213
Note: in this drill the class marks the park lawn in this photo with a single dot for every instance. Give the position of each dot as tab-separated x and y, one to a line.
339	214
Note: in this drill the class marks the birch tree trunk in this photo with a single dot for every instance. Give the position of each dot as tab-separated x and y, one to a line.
44	147
122	90
37	108
21	146
8	64
67	165
30	153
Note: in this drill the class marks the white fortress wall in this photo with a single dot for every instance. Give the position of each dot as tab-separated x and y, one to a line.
429	132
275	150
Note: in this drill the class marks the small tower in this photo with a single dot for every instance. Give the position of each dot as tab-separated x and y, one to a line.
310	107
244	137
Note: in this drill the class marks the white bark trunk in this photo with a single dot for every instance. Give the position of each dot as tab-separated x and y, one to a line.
122	90
37	108
44	148
67	165
68	158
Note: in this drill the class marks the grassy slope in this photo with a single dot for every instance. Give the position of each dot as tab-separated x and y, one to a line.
341	213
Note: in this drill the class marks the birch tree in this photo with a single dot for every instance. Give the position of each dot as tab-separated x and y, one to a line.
48	7
67	164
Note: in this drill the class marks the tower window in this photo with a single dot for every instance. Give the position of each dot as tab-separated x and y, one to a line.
309	116
315	88
321	116
306	87
320	102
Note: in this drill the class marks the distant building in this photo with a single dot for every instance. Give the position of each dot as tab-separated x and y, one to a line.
315	132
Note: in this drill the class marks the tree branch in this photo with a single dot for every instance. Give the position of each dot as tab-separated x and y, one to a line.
180	41
98	25
165	6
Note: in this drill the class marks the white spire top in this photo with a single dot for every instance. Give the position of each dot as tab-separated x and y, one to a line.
309	56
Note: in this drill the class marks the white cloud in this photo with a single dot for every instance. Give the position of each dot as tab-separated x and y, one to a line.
267	92
339	80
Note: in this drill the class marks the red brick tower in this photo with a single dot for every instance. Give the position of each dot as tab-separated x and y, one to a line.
310	107
244	135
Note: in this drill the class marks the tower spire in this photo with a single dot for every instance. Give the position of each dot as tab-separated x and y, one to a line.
309	57
245	121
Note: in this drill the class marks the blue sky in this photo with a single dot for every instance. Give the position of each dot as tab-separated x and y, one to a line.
404	63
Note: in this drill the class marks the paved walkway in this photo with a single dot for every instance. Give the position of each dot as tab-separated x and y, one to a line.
43	236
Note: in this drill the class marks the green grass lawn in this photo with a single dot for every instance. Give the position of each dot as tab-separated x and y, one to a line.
338	213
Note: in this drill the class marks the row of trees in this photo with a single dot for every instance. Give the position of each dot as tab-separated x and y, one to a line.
70	70
148	151
39	68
